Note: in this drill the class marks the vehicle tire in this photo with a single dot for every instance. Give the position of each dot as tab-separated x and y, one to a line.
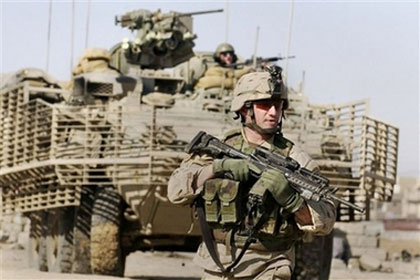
82	227
107	256
313	260
59	239
37	257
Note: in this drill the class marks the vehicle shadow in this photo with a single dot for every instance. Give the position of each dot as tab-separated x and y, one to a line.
163	278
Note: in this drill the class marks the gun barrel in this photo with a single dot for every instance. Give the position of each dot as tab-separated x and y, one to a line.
352	205
200	13
261	60
274	58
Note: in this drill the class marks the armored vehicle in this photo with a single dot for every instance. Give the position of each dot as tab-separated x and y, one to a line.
88	161
356	152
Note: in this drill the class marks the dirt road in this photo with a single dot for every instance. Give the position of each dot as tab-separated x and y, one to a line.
139	265
147	266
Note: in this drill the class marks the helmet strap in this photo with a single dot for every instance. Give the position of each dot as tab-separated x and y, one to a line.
280	124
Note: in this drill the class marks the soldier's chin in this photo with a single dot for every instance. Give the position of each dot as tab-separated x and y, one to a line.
271	125
268	130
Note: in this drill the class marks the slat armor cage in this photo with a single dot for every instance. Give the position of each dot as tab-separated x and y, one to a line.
50	151
27	175
356	152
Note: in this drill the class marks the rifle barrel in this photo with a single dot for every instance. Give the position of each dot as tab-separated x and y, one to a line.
352	205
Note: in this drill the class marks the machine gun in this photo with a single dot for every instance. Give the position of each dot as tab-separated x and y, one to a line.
261	60
136	19
162	40
308	184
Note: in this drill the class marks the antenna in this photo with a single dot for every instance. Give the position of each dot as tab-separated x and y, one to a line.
48	37
292	5
87	24
227	22
254	59
72	37
302	83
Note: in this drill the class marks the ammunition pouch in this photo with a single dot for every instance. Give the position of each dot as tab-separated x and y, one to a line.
272	225
211	202
226	211
222	202
268	205
280	225
283	228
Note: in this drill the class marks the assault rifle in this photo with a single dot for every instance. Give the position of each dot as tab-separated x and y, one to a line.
308	184
260	60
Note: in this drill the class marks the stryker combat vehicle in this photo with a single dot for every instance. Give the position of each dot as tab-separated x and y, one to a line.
88	161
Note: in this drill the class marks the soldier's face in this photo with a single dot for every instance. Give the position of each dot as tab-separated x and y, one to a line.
267	113
226	58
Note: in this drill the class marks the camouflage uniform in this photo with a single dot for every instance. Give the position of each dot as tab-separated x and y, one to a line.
272	255
259	261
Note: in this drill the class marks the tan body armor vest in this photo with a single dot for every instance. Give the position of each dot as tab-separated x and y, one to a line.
225	205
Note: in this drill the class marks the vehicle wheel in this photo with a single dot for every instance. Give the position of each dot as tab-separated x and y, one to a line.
37	257
59	239
82	227
106	251
313	260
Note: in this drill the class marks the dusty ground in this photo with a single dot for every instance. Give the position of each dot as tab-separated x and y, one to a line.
147	265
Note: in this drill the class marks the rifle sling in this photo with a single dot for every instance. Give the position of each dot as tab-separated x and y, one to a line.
208	237
210	243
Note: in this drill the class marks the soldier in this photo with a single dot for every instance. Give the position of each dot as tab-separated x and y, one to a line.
259	100
224	75
225	55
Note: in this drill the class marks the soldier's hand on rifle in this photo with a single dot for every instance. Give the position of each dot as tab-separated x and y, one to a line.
237	167
276	183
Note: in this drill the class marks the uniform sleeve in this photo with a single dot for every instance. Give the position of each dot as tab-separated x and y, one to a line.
323	212
323	217
182	188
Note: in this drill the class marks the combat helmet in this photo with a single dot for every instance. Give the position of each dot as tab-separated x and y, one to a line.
259	86
224	47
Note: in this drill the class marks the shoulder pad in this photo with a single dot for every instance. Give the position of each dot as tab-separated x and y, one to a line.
289	143
231	133
283	144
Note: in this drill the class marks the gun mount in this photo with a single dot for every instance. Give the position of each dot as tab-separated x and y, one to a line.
162	40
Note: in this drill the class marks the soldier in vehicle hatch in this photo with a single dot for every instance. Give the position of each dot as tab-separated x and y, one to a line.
225	55
224	186
224	75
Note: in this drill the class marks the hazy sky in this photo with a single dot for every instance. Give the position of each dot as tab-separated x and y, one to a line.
349	50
